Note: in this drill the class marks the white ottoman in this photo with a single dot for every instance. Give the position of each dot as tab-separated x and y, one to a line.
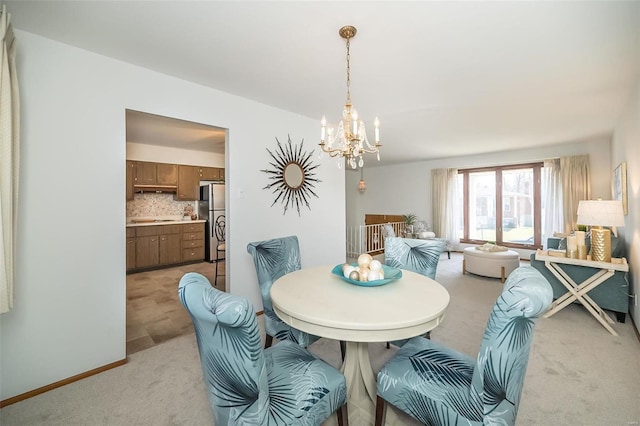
495	264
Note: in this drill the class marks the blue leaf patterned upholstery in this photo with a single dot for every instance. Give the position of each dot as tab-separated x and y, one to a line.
440	386
246	384
273	259
419	256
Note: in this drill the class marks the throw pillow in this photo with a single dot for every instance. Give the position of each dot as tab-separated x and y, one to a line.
387	231
617	247
562	245
491	248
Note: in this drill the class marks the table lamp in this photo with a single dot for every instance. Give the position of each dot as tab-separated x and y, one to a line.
596	214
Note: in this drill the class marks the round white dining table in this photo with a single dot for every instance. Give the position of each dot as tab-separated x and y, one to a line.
318	302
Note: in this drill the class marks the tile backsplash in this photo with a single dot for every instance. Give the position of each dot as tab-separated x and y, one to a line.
156	205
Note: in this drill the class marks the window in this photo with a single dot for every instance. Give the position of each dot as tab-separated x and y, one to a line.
501	205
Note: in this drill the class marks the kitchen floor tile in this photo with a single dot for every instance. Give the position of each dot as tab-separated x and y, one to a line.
154	312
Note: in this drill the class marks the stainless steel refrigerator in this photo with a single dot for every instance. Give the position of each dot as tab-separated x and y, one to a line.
210	207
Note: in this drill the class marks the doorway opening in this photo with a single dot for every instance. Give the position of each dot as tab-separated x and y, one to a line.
154	312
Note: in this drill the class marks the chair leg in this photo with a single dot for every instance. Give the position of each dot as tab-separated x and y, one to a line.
381	411
268	341
343	416
343	348
215	280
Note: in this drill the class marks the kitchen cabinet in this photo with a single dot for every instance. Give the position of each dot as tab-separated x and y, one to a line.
129	180
165	177
170	248
161	174
154	246
211	173
193	242
131	248
166	174
188	183
147	246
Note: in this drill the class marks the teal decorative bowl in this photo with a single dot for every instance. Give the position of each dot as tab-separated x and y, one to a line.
390	274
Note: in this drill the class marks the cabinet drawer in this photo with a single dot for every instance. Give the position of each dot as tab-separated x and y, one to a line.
192	243
194	227
169	229
188	236
196	253
131	232
147	231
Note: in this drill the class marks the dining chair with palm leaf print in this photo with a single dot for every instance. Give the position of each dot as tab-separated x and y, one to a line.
439	386
246	384
421	256
274	258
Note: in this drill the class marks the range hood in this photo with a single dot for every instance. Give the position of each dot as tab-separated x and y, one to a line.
155	188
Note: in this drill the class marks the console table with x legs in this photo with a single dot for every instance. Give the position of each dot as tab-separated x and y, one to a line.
578	291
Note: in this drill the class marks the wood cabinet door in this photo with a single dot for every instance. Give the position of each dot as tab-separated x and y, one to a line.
146	173
129	180
131	253
166	174
211	173
188	183
170	249
147	251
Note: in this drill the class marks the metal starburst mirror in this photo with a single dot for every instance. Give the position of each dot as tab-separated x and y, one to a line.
292	175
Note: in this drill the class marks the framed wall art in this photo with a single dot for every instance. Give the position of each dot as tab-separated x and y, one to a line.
620	185
292	175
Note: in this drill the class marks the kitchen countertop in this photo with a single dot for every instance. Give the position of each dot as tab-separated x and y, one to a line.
159	220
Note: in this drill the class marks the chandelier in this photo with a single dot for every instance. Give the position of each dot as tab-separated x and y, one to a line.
348	138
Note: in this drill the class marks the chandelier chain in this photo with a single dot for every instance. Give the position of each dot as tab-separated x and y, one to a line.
348	71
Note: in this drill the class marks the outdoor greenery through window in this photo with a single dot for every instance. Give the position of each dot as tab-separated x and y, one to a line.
501	205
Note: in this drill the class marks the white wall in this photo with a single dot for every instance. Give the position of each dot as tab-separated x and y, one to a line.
163	154
626	147
69	311
405	188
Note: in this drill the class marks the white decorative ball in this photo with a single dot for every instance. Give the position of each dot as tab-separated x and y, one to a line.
364	259
374	275
347	270
364	274
375	265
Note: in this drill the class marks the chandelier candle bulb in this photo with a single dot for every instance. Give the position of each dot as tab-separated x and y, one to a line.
376	123
355	122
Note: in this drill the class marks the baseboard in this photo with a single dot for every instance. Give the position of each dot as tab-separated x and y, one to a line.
61	383
633	323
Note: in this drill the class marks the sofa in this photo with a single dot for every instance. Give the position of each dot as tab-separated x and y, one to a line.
612	295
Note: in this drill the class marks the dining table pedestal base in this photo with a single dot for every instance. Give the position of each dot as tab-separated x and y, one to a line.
361	386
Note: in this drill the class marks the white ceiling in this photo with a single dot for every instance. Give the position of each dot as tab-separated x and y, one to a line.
446	78
151	129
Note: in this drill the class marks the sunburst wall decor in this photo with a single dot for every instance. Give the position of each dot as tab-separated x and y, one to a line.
292	174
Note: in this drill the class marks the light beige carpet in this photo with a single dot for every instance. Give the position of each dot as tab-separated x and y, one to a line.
578	373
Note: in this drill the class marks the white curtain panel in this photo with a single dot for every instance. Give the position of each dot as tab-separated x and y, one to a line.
445	211
9	159
576	186
553	217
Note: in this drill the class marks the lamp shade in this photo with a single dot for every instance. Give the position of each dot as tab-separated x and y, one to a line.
600	213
